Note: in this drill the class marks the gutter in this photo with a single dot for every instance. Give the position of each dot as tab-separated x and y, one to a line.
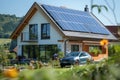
65	46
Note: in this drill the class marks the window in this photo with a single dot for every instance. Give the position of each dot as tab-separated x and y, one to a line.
83	54
31	51
47	51
40	52
45	31
25	36
74	47
33	31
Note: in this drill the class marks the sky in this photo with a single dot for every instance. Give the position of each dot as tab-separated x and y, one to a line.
21	7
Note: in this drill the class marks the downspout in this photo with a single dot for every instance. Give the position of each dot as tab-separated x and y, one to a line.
65	46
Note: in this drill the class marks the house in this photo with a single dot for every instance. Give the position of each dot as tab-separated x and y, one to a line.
115	30
45	29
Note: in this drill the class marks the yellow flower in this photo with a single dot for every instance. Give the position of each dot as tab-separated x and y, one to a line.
11	73
104	42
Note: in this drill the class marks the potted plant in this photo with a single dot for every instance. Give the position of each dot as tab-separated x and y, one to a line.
95	51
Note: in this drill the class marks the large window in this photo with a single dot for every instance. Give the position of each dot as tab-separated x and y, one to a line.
45	31
47	51
33	31
39	52
31	51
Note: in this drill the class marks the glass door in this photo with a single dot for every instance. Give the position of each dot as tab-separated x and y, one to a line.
46	52
30	51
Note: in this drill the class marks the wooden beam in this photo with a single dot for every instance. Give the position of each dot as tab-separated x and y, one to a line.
24	22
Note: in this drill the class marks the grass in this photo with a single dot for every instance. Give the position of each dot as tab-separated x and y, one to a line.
45	73
4	41
61	69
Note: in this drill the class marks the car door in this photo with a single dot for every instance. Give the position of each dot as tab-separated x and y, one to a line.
83	57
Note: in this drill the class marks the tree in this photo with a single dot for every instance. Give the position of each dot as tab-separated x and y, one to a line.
106	7
99	7
7	24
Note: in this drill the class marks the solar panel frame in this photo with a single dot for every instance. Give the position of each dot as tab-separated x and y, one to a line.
74	20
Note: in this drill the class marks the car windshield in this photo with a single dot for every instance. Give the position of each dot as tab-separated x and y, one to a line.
73	54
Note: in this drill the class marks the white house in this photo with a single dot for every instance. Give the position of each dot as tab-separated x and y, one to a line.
45	28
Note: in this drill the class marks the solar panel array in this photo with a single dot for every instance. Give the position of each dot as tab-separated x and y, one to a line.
74	20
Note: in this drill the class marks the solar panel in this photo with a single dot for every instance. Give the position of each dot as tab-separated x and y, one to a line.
74	20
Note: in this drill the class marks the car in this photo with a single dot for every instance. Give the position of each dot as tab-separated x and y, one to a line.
73	58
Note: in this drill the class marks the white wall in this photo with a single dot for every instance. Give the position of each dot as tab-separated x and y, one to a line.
38	18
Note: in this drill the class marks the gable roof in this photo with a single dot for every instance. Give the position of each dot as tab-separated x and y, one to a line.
70	22
24	21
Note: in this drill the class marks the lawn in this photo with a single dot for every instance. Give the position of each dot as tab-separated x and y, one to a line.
4	41
44	73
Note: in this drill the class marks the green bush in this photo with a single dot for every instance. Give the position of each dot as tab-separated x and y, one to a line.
61	54
95	51
114	49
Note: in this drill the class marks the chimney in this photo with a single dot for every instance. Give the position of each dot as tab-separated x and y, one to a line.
86	9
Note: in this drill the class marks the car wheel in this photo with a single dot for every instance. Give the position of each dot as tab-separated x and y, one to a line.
77	62
62	65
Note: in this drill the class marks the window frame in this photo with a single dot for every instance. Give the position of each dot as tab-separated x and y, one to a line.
35	33
75	47
45	31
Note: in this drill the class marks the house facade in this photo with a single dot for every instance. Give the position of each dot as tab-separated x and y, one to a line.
46	29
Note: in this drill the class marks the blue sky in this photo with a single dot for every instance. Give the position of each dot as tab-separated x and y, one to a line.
20	7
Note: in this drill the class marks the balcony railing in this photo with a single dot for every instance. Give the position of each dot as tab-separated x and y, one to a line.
25	37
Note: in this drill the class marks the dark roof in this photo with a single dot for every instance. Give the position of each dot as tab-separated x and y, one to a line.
114	29
112	25
75	20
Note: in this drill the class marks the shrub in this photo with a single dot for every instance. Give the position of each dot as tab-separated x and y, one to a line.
114	50
61	54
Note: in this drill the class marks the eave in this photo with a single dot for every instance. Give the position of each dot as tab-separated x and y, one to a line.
88	36
24	22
